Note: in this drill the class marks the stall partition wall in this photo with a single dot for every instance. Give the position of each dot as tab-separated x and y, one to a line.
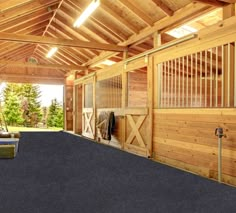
124	92
109	99
195	95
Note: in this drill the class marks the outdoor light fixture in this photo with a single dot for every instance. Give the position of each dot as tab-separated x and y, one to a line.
88	11
51	52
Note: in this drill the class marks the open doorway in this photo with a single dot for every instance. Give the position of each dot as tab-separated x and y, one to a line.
31	107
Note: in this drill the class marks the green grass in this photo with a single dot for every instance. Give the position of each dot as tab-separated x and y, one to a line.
21	128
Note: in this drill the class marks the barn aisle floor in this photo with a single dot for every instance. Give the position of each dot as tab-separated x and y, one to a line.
57	172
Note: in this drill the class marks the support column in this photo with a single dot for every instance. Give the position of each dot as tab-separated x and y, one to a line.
124	100
68	103
229	62
156	70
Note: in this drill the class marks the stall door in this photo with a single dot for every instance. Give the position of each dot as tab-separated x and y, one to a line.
136	137
88	115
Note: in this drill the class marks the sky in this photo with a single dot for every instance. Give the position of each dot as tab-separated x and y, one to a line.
48	93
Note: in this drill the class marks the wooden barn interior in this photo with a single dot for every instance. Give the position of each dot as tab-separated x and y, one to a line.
165	68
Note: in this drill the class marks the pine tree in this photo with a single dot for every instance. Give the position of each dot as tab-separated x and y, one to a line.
31	93
27	95
12	110
55	114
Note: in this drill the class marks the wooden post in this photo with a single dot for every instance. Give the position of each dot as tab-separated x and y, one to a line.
68	103
157	80
75	105
150	80
229	61
124	100
94	107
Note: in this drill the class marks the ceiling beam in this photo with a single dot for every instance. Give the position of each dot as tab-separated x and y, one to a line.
164	7
25	9
45	66
180	17
23	78
105	7
21	20
5	5
59	42
214	3
96	23
229	1
138	12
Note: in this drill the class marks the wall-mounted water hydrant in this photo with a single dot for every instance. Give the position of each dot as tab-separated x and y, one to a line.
220	133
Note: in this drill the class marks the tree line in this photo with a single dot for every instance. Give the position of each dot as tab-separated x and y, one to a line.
21	106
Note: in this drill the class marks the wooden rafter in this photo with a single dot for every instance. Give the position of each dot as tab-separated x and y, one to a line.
118	18
26	9
50	20
214	3
47	66
96	23
138	12
59	42
181	16
19	21
57	55
6	5
64	29
229	1
164	7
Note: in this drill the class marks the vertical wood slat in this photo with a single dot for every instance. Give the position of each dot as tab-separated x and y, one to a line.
172	86
217	68
165	93
196	77
183	76
168	83
200	79
206	63
175	83
228	76
191	80
235	74
184	79
187	75
179	92
211	77
222	74
160	83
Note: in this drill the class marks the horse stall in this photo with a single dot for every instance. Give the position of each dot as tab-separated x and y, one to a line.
168	102
195	94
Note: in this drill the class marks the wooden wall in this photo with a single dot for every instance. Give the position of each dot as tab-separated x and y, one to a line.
78	105
68	104
185	138
109	93
137	89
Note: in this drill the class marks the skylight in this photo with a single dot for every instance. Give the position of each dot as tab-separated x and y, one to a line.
182	31
108	62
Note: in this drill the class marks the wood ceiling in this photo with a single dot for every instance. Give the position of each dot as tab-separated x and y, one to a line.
29	28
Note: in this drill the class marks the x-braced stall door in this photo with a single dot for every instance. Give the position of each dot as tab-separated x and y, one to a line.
137	119
137	137
88	112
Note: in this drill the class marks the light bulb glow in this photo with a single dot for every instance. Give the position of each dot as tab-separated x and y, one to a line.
51	52
87	12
